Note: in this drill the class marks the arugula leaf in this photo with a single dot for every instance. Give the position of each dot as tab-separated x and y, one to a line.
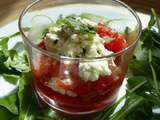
6	115
19	47
48	114
72	24
143	111
27	104
17	59
4	44
18	62
152	19
3	58
136	83
140	52
12	61
137	67
11	78
10	102
130	104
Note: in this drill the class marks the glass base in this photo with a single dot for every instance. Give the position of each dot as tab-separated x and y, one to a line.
73	111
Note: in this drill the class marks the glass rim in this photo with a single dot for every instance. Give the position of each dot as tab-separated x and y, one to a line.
52	54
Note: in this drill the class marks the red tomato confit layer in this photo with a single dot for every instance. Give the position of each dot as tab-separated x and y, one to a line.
62	81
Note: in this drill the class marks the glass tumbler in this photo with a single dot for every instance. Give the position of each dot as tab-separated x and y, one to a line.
57	78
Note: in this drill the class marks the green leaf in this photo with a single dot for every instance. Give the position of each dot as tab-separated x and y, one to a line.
3	57
27	103
147	39
156	52
10	102
18	61
152	20
156	19
136	83
156	85
6	115
139	67
105	114
18	58
19	47
4	44
11	78
131	103
13	61
48	114
143	111
71	24
140	53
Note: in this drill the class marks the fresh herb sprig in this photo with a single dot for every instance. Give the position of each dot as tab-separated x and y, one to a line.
74	24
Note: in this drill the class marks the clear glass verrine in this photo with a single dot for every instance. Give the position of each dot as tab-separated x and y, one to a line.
56	78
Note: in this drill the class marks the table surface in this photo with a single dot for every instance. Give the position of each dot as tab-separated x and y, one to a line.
10	9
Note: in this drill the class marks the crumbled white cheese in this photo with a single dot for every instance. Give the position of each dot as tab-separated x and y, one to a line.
52	37
67	81
71	93
67	62
91	71
92	51
55	29
51	41
96	48
71	49
86	21
97	39
81	45
75	38
54	86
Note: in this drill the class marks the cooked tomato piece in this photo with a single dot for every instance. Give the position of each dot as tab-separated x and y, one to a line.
115	45
75	75
55	68
45	66
118	43
100	28
108	83
42	45
104	84
42	67
104	31
85	89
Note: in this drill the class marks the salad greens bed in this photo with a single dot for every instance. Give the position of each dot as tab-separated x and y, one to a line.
142	97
